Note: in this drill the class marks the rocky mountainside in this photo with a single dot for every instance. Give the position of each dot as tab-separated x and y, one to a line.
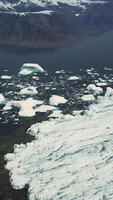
51	24
33	5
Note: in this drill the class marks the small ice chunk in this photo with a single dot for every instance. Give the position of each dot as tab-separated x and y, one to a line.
2	99
73	78
55	100
88	97
94	90
100	84
6	77
31	90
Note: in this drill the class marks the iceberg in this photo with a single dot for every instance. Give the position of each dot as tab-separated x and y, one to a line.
29	68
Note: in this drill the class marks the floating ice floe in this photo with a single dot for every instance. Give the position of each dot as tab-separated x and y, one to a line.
27	107
29	68
88	97
6	77
101	84
31	90
2	99
93	89
69	159
73	78
55	100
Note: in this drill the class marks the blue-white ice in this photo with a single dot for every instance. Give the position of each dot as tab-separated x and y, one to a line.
71	157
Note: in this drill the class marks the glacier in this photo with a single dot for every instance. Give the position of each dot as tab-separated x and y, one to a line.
71	158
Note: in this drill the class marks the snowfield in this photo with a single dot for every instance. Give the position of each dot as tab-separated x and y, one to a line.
71	157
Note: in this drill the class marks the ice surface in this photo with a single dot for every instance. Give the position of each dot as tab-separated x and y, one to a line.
71	158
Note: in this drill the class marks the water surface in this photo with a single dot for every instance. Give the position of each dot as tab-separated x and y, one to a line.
90	52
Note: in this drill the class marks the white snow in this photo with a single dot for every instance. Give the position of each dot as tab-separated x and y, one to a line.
69	159
55	100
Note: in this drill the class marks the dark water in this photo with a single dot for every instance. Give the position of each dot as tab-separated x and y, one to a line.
91	52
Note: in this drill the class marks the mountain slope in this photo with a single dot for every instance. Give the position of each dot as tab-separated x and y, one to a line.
55	23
